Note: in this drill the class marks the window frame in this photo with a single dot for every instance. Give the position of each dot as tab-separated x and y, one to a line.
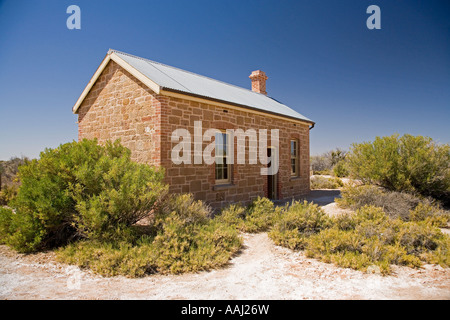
294	156
224	165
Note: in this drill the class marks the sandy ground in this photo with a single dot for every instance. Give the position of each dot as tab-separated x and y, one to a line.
260	271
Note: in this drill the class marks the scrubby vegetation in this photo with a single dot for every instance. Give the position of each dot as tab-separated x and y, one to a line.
331	162
259	216
80	190
405	206
90	202
404	164
9	169
7	194
367	238
297	224
319	182
340	169
9	183
181	238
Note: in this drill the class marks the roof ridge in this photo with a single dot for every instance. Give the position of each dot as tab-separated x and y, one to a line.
190	72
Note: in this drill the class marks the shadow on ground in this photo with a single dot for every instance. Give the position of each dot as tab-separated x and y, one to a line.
321	197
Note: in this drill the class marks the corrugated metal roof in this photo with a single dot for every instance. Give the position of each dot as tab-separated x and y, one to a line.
172	78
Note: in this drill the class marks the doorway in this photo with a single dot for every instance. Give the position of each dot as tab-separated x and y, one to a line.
272	189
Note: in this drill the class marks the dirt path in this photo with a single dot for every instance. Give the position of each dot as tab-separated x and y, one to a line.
261	271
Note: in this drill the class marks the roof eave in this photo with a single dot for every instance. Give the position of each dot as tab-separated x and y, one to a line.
225	102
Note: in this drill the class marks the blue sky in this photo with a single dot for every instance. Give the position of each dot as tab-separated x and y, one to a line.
321	60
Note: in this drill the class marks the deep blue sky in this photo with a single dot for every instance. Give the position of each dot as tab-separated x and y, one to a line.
319	55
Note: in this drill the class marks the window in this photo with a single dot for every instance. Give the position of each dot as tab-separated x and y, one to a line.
223	168
294	158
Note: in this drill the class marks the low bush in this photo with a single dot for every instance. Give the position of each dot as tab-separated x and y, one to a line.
186	248
185	239
110	259
259	216
7	194
318	182
5	223
297	223
324	163
396	204
325	172
431	214
234	216
186	209
367	239
81	190
340	169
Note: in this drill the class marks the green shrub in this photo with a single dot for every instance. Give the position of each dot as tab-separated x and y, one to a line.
355	197
433	215
341	169
318	182
179	248
259	216
365	240
234	216
185	208
298	222
441	255
6	216
343	248
81	190
109	259
7	194
24	232
325	172
396	204
378	240
324	163
417	238
407	163
186	240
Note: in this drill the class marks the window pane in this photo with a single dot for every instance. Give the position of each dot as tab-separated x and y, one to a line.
219	142
219	174
224	141
221	157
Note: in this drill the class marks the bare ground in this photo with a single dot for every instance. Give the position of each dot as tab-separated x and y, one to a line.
261	271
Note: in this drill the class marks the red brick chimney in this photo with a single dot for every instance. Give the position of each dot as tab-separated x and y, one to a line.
259	78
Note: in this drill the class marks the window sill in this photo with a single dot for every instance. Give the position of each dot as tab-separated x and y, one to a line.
294	178
223	186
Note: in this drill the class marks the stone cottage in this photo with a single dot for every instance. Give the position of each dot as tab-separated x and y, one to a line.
143	103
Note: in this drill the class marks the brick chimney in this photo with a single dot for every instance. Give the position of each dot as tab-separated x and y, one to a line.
259	78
